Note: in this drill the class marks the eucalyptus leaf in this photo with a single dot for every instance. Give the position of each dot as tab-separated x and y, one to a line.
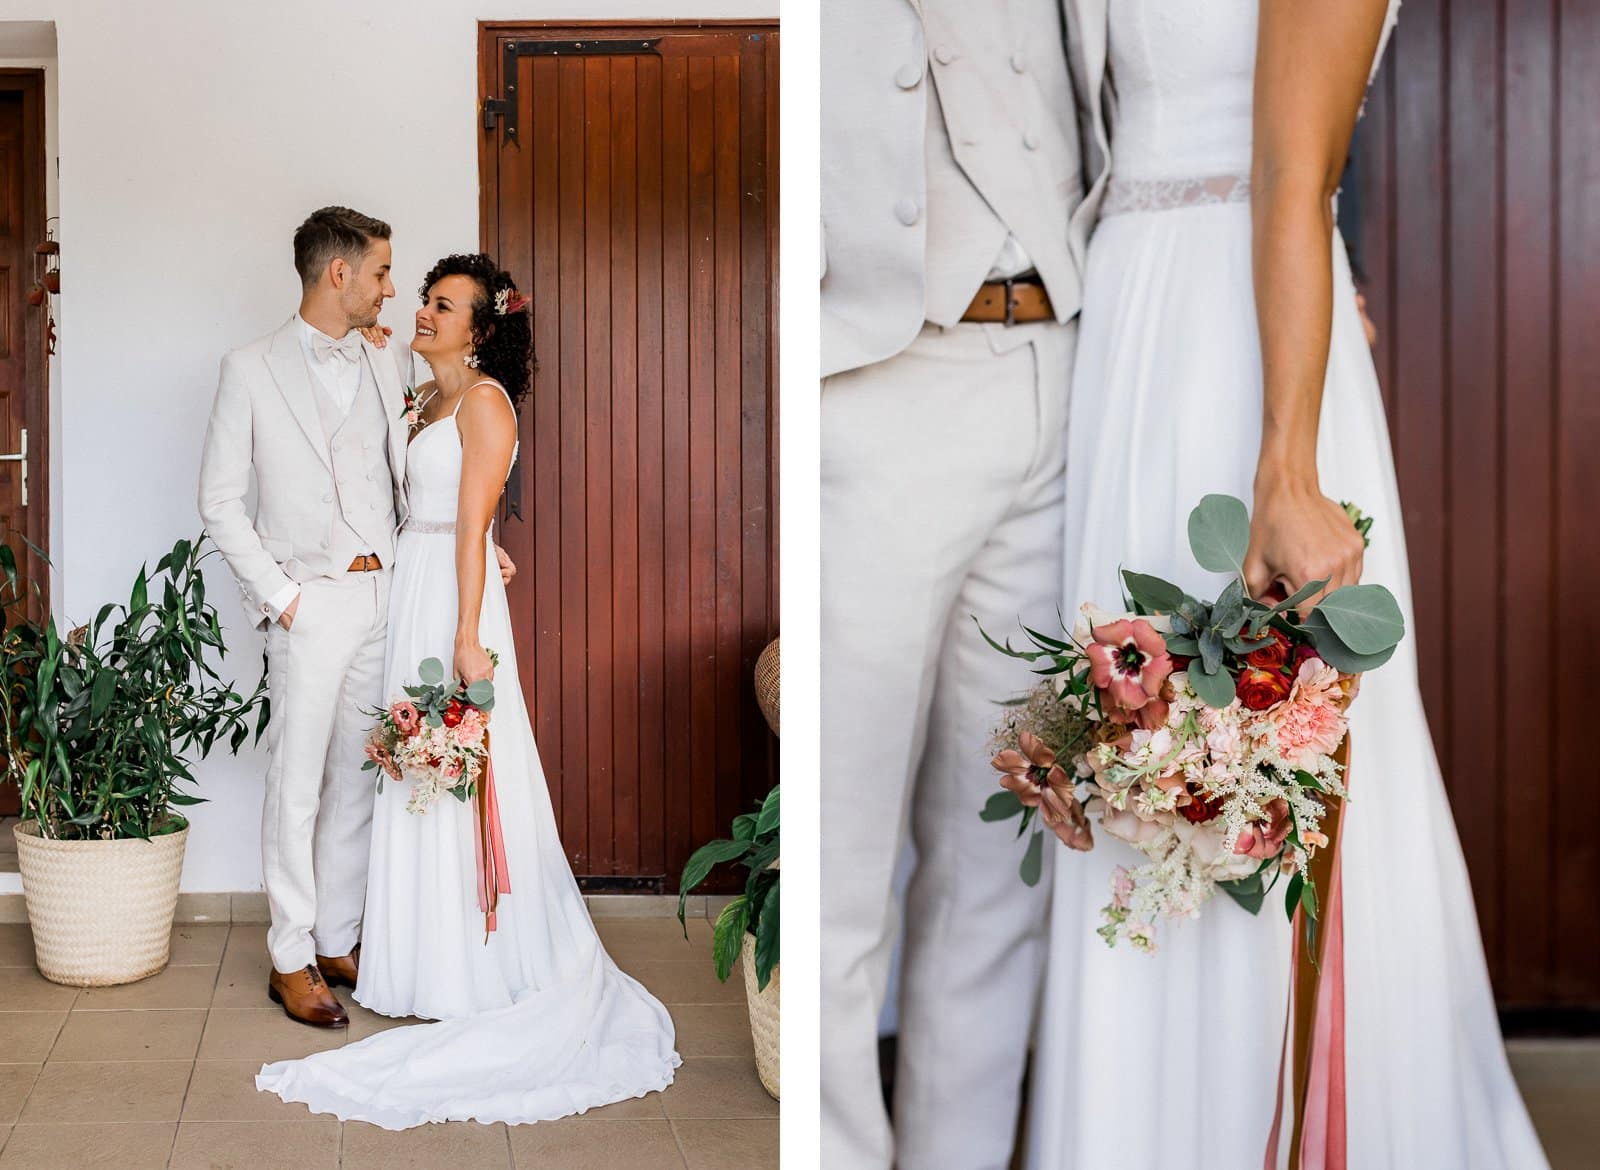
1002	806
1249	892
1211	650
1219	534
1366	617
1180	644
481	692
1228	612
1307	591
1032	867
1331	648
1153	593
1215	688
431	671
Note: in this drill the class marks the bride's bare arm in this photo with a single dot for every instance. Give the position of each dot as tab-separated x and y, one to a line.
1312	62
488	437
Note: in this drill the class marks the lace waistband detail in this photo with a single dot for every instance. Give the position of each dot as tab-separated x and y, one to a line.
1125	195
433	527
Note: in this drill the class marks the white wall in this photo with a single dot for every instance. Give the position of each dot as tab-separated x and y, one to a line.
194	136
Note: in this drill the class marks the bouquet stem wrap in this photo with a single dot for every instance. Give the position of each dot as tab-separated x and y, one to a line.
489	845
1314	1030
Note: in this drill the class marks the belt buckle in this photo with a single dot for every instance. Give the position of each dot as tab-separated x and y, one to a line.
1010	284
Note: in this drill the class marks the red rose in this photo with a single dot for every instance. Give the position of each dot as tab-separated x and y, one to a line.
452	713
1305	652
1260	689
1274	654
1200	810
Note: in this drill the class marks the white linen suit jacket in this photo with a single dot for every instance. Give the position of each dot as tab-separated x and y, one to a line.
265	419
1000	96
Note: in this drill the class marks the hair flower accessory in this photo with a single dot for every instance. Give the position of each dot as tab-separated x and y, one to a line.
509	300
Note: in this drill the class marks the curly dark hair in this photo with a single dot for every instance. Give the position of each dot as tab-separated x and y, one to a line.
503	341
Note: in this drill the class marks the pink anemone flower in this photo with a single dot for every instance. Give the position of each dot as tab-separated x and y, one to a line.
1040	782
1128	660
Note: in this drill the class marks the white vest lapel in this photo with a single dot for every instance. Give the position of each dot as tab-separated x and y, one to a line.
287	363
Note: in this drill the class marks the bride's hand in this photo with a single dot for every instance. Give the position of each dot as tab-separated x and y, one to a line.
378	335
1298	535
472	663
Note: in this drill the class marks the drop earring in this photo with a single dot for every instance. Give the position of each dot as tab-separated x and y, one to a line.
471	360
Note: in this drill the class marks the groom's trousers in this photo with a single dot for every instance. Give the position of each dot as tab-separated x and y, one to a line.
942	480
324	676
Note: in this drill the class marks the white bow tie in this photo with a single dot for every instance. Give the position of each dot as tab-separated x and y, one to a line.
346	349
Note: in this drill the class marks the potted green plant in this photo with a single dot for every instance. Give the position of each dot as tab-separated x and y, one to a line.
100	729
748	925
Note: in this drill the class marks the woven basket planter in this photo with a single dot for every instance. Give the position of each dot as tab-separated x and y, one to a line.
763	1018
766	679
101	911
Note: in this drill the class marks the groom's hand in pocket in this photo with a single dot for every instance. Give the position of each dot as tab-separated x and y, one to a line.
286	618
507	569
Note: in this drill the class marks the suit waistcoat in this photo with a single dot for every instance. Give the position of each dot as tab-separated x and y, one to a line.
1001	148
361	515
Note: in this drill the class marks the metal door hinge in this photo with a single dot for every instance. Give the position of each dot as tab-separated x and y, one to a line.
505	108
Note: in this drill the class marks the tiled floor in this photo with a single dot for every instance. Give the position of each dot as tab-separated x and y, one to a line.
160	1073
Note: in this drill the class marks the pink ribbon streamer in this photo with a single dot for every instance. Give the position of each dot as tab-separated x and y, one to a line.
489	846
1321	1114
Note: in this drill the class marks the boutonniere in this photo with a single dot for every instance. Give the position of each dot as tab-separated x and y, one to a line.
413	409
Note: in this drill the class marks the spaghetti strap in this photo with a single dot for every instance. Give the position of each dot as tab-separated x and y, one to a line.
485	382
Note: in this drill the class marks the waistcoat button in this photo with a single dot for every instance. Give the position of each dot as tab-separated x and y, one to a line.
1030	140
1019	63
907	76
944	54
907	211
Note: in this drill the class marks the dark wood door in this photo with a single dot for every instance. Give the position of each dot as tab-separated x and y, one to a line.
23	413
630	184
1477	169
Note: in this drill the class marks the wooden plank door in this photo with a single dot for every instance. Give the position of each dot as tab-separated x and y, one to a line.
23	409
1476	168
630	185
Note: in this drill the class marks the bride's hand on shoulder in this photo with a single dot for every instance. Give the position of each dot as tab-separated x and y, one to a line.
1297	535
472	663
378	335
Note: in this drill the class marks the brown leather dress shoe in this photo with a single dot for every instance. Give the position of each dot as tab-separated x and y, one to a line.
341	971
306	997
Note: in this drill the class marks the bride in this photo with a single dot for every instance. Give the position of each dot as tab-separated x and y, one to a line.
1219	322
536	1022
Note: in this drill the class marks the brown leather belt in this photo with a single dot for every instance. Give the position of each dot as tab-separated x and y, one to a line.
365	563
1010	302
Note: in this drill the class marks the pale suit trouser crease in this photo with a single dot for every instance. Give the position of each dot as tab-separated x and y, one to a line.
942	481
325	675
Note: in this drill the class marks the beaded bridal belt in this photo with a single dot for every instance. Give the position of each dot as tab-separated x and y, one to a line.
1125	195
433	527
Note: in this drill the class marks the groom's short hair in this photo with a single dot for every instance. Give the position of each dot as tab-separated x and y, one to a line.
333	231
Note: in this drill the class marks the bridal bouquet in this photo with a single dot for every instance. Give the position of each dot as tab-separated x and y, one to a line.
1206	734
437	737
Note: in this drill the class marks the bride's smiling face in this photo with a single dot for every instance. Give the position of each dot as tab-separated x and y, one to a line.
444	323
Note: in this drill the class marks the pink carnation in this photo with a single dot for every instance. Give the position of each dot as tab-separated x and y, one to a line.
1310	723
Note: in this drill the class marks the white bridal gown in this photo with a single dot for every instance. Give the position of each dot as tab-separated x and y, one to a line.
1170	1061
537	1024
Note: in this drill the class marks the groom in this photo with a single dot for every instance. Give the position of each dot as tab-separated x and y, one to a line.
961	173
316	412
